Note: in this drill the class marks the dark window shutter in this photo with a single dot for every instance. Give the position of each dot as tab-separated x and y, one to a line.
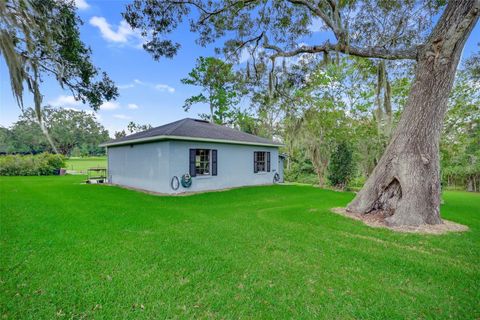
214	162
255	162
268	161
193	172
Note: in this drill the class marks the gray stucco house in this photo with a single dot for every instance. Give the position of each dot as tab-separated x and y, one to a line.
214	157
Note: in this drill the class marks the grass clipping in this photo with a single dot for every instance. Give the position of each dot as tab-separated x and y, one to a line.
376	220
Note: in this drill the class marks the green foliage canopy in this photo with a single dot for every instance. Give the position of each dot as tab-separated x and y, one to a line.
221	88
40	38
341	167
69	129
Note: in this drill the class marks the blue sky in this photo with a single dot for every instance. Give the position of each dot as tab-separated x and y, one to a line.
150	91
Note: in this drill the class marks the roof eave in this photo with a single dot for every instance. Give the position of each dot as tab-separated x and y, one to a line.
165	137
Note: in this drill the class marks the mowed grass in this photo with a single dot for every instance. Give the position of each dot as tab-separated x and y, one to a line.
70	250
82	164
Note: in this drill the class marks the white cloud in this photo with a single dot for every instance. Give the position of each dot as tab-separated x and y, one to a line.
126	86
82	4
72	109
164	87
157	86
109	105
123	34
65	101
121	116
132	106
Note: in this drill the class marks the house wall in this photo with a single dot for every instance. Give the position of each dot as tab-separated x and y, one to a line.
142	166
234	165
151	166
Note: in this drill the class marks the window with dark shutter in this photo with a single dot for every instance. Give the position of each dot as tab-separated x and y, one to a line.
192	169
268	161
260	161
214	162
202	162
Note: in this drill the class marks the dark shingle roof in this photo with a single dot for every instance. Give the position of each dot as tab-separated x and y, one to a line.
196	129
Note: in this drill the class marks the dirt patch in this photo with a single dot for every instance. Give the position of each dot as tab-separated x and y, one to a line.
377	220
179	194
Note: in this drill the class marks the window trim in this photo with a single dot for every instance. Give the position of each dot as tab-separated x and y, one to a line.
265	162
209	163
213	162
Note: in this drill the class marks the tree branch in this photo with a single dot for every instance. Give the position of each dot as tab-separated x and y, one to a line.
332	21
342	45
244	43
207	14
369	52
322	15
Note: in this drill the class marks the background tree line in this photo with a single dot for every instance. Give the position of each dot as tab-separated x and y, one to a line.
335	115
323	109
74	133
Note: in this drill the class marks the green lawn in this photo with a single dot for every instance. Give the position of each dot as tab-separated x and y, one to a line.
93	251
82	164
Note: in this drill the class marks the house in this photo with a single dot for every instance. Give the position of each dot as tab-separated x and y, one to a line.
192	155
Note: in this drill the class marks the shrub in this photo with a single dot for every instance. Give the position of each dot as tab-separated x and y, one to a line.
301	170
357	183
43	164
341	166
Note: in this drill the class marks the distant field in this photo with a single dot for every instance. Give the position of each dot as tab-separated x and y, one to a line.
69	250
82	164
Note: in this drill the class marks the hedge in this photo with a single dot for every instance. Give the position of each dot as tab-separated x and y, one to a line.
43	164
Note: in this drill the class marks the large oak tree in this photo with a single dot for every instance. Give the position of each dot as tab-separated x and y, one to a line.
405	184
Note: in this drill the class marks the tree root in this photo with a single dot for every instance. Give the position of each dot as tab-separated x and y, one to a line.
378	219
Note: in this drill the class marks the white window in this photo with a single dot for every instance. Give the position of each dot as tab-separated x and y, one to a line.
202	162
260	161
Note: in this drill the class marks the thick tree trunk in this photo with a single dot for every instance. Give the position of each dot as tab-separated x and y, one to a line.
405	184
321	181
470	184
